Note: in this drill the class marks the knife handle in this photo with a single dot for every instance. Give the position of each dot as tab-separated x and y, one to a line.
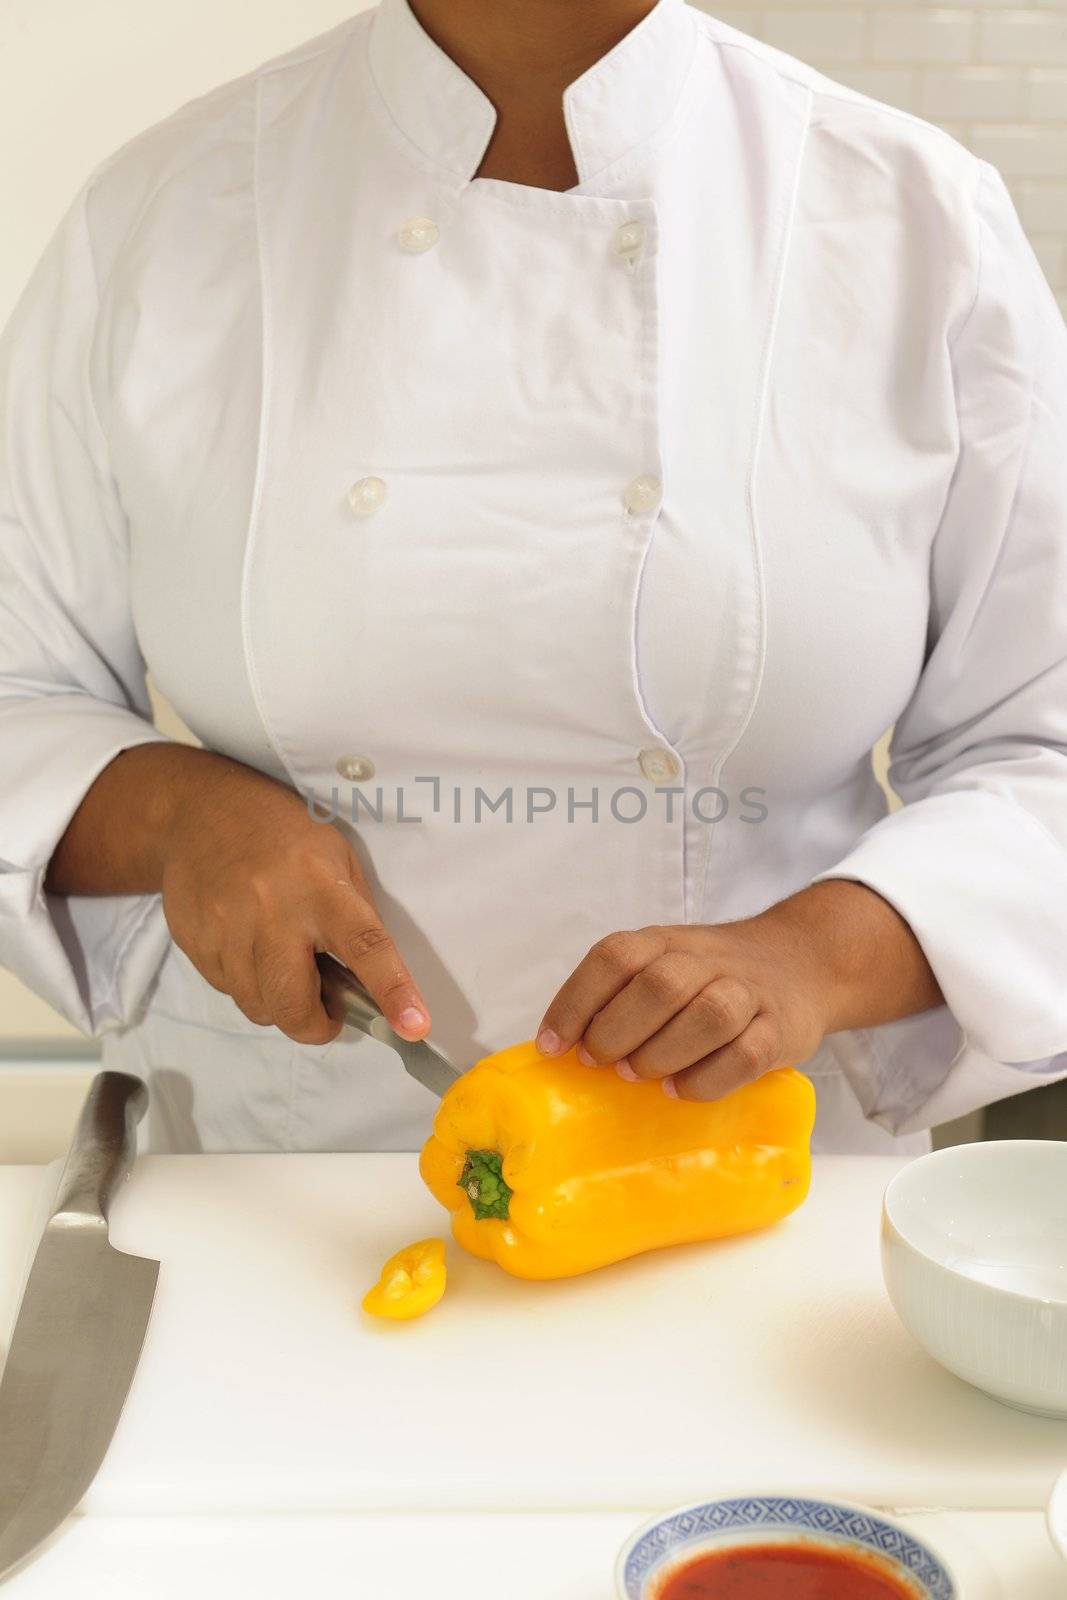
103	1147
360	1009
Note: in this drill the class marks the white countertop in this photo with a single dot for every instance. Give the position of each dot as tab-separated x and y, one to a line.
271	1425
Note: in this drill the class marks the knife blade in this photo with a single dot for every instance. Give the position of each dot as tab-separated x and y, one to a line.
426	1064
78	1334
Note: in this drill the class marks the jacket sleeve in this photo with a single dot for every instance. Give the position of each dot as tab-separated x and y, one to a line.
72	679
976	857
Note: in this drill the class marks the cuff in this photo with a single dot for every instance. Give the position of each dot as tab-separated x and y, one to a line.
922	1070
983	887
91	957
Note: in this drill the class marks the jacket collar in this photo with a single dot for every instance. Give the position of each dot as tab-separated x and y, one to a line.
613	108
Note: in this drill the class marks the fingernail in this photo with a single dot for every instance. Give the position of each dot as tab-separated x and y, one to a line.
584	1057
624	1069
668	1087
548	1042
412	1019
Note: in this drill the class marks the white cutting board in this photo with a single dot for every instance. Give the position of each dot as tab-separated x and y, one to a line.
995	1555
769	1362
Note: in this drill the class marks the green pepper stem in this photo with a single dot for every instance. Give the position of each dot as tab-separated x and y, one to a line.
482	1181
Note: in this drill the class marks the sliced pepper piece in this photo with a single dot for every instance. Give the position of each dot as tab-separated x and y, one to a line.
553	1168
411	1282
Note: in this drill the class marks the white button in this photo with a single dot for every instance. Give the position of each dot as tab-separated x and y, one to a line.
366	496
629	239
641	494
658	765
356	768
417	234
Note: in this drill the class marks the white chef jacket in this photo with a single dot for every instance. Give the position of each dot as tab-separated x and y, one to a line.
662	495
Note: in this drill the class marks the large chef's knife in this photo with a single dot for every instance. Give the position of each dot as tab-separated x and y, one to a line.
428	1065
79	1332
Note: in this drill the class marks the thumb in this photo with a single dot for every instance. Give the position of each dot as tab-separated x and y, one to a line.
353	932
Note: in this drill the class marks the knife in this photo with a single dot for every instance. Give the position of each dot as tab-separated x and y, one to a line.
426	1064
78	1335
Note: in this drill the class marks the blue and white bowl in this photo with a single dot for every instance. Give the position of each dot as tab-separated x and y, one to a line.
666	1543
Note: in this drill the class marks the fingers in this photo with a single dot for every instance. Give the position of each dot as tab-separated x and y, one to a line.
276	981
242	984
353	932
715	1015
291	992
667	1017
599	976
755	1051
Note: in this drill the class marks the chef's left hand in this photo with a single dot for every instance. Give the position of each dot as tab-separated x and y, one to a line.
708	1008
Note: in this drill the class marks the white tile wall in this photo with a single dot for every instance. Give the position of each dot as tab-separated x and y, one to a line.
899	33
991	72
39	1104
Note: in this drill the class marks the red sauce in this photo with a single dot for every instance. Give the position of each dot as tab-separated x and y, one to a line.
784	1572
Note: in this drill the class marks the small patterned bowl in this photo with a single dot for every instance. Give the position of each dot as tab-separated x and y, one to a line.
661	1546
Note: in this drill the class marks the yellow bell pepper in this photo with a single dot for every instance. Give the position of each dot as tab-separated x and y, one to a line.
552	1168
411	1282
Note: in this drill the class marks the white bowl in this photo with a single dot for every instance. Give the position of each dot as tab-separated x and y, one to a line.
1056	1516
658	1548
974	1255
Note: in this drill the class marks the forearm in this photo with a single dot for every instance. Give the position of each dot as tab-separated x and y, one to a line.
873	966
116	841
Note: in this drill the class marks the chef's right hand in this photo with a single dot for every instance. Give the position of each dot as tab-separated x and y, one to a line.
253	887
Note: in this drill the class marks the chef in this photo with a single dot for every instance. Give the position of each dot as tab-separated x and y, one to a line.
538	448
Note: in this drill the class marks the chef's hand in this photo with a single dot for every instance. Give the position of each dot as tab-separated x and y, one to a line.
706	1009
253	887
